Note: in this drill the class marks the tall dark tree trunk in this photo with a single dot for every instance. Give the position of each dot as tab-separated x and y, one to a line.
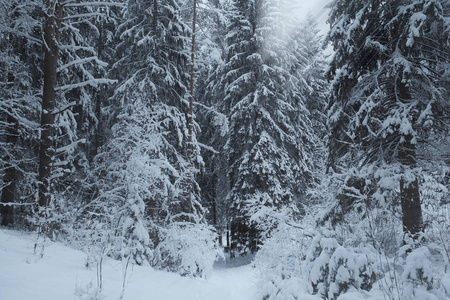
12	134
191	95
155	17
409	187
9	179
98	141
411	209
188	208
98	97
51	48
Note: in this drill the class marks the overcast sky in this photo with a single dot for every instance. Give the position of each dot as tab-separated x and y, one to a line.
317	10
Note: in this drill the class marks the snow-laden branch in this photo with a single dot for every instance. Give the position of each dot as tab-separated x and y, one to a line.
86	15
76	47
16	204
208	148
70	146
71	104
4	28
82	61
92	82
92	4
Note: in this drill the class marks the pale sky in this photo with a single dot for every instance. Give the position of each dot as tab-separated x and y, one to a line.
317	10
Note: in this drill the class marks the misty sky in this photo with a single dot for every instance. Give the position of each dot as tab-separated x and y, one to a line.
318	10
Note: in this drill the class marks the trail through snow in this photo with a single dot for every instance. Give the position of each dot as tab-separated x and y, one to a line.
56	276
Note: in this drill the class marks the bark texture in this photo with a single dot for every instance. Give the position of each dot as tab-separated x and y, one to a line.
51	49
409	184
9	179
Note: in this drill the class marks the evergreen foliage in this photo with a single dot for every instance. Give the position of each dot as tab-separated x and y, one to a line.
270	135
144	169
98	145
387	92
20	85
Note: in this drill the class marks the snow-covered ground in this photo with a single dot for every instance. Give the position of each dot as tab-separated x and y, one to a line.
61	272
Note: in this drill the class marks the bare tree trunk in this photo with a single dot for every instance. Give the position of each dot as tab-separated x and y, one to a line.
12	136
8	192
51	48
190	147
98	97
411	209
409	187
407	156
155	16
191	95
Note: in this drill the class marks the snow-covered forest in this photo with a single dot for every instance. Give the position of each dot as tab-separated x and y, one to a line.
188	137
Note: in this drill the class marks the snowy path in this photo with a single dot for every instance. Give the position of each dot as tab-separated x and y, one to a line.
54	277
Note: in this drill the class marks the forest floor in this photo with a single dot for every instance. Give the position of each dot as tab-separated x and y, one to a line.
61	274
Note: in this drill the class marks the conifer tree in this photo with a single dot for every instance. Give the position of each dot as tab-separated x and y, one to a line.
158	36
147	158
20	85
211	54
69	73
270	135
82	88
387	90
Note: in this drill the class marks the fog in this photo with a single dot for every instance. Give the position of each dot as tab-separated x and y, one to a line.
317	9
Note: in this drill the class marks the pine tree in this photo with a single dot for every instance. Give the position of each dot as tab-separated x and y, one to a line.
133	181
159	37
311	65
270	135
147	159
213	123
19	81
82	87
69	76
387	89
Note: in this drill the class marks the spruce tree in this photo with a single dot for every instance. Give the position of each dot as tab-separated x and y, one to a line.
387	90
147	162
270	135
211	54
70	72
19	88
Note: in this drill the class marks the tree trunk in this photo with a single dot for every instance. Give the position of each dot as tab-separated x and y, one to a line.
409	191
98	97
191	95
155	17
8	192
51	48
411	209
409	185
190	120
12	135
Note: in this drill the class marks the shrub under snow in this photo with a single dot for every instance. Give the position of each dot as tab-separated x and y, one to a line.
324	270
280	261
187	249
328	270
332	269
419	278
